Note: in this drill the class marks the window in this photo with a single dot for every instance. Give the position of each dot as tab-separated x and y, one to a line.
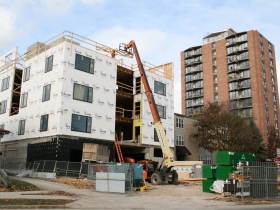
26	74
81	123
82	93
198	84
188	78
216	89
156	136
214	54
215	80
2	126
232	67
198	67
233	95
84	64
188	69
180	140
246	93
44	122
46	93
23	100
189	86
245	74
5	84
244	64
189	94
242	37
3	105
198	101
246	102
216	98
206	159
243	55
190	111
198	51
245	83
160	88
179	123
243	46
49	64
189	103
21	127
247	112
161	111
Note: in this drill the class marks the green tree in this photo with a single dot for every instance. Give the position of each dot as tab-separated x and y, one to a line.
219	129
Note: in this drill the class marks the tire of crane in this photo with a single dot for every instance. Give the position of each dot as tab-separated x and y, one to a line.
175	181
156	179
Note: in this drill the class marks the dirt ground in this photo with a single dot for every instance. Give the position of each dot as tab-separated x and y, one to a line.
187	195
77	183
179	190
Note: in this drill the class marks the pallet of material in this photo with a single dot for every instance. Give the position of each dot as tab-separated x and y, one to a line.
95	152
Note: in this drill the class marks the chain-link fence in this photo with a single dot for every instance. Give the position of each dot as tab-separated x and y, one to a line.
79	170
255	179
104	173
57	168
21	168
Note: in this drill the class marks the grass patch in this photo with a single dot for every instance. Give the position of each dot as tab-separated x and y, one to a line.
51	193
22	201
18	186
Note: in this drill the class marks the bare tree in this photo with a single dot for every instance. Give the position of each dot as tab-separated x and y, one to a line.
272	143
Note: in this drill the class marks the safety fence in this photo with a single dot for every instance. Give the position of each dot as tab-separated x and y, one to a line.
58	168
52	169
255	179
112	177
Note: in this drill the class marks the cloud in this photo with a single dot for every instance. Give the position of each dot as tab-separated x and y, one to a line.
62	7
9	31
147	40
93	2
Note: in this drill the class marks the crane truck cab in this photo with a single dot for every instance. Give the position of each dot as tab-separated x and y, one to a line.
158	176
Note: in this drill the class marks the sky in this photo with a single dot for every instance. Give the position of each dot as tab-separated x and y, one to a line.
160	28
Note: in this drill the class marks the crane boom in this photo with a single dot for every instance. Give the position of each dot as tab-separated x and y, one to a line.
168	157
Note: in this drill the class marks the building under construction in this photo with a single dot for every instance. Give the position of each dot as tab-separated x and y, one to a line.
70	90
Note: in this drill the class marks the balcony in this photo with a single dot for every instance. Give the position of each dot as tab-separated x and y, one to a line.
197	78
237	77
193	70
193	62
237	68
197	95
230	43
193	53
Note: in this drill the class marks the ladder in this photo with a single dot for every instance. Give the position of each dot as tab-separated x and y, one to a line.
118	149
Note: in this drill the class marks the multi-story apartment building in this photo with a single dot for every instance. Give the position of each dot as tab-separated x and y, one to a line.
71	90
238	68
186	147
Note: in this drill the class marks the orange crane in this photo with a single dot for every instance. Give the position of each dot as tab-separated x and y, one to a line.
167	172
